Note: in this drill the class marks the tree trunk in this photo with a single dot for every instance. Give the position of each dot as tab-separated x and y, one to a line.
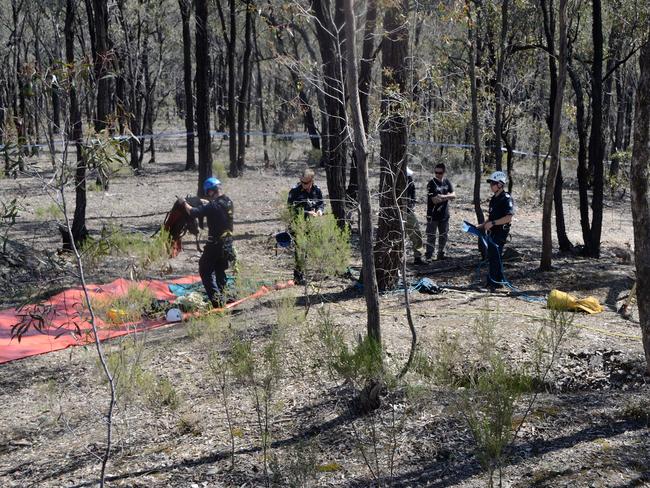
583	170
259	96
370	288
476	124
334	146
389	251
596	148
102	63
367	60
232	114
203	92
75	134
547	244
244	92
498	88
186	8
639	186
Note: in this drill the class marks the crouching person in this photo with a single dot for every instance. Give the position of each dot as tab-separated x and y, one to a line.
218	251
305	198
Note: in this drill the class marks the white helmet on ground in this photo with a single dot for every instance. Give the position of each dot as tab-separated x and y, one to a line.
498	177
174	315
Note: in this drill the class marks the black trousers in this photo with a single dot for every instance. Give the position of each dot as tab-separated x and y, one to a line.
212	268
494	252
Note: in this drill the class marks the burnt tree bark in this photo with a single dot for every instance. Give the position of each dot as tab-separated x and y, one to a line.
389	251
203	92
75	134
639	186
334	146
186	10
244	91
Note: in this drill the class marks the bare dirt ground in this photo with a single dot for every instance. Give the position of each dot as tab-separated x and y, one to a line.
589	426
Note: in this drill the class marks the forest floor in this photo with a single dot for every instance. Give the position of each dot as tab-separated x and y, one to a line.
588	426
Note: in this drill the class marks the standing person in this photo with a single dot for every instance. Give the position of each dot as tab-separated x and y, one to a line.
218	251
497	227
412	225
440	192
305	197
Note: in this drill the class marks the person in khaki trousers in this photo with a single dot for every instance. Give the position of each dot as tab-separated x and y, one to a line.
412	226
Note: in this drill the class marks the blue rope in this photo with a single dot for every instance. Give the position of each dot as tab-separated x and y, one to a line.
487	240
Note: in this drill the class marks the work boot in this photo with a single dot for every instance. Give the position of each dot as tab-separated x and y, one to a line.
441	256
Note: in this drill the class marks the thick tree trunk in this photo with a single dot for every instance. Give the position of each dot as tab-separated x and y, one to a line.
370	288
596	145
202	93
334	146
547	243
186	8
639	186
75	134
389	251
244	93
102	61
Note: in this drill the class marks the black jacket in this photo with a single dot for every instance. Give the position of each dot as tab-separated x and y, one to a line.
308	201
219	214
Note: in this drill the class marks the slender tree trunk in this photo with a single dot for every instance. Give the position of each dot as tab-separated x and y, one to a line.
370	288
596	145
498	87
367	60
639	186
75	134
244	92
186	10
259	88
203	92
476	124
232	114
389	251
547	244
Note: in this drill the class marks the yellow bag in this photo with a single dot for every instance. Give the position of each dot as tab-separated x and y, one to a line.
559	300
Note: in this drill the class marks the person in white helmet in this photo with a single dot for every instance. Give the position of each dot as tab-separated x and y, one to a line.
497	226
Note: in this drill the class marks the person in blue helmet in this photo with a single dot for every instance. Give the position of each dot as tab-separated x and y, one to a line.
497	227
218	251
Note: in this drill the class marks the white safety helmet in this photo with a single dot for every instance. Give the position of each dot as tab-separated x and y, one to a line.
498	177
174	315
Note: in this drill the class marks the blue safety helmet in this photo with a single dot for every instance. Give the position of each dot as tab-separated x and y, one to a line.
211	184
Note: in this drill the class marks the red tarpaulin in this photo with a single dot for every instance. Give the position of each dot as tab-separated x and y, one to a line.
64	327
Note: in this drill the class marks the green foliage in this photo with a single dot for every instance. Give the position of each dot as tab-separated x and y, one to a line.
286	214
297	468
637	411
49	212
322	247
219	170
124	358
288	315
109	156
129	307
143	252
361	364
211	328
445	363
8	214
161	393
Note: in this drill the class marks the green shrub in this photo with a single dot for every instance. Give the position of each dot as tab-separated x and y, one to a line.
219	170
129	307
322	247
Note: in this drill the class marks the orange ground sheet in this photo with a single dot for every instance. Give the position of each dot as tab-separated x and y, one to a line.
65	328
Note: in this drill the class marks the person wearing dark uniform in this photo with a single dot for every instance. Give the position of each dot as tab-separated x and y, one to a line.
440	192
412	225
305	197
497	227
218	251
